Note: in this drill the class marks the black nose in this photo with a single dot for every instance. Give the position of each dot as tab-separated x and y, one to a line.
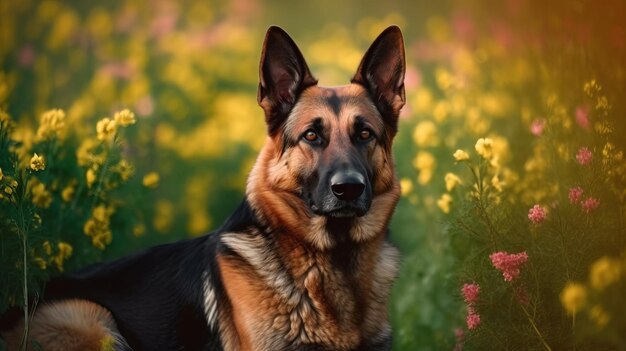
347	186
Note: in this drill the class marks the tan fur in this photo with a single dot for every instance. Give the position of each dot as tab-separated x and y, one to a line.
69	325
314	303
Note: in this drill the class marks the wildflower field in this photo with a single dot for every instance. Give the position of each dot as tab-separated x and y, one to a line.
128	124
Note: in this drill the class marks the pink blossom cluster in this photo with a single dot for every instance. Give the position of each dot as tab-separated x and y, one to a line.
575	195
508	264
470	295
584	156
470	292
473	320
537	214
588	205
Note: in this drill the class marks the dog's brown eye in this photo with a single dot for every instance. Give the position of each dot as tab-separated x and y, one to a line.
310	135
365	134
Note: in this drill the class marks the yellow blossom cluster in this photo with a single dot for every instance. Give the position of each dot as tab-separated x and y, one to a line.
67	194
41	196
98	226
425	163
603	274
63	252
124	118
484	147
52	124
106	128
461	155
151	180
8	186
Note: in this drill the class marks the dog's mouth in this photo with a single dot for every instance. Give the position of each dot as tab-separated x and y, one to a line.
346	212
343	210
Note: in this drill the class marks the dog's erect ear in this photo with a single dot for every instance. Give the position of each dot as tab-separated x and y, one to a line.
283	75
381	72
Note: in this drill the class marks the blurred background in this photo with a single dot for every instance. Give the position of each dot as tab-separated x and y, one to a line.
533	76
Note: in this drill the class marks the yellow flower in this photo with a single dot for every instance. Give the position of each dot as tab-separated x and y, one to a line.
139	230
406	186
52	124
425	162
600	316
106	128
452	180
101	213
41	197
444	203
124	118
440	112
484	147
36	219
425	134
496	183
591	87
40	262
65	251
8	190
125	170
47	248
461	155
101	240
573	297
97	227
198	222
605	272
68	193
1	174
151	180
37	163
90	176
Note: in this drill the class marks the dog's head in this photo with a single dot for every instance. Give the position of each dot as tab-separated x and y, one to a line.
328	159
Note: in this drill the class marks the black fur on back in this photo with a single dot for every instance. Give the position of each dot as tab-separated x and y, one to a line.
156	296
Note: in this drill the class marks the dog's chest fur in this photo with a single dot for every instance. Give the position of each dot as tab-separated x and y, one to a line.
334	299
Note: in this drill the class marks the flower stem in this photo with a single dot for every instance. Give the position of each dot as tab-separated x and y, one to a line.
24	235
532	323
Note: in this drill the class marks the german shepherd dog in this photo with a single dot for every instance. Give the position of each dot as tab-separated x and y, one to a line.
302	264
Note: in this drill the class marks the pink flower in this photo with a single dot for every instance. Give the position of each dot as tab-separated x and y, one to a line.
536	128
470	292
537	214
473	320
582	117
508	264
584	156
590	204
575	194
